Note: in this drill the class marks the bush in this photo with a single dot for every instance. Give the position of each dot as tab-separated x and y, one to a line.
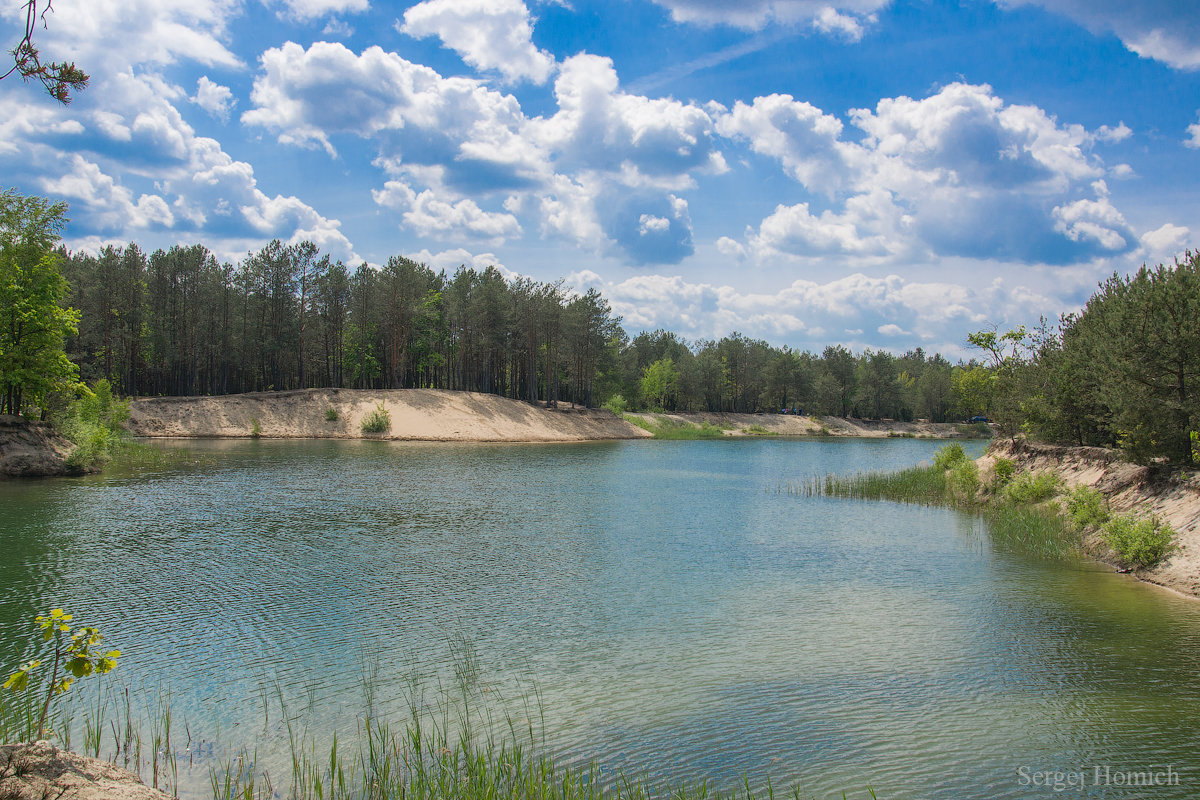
963	480
616	404
946	457
1032	487
331	414
1087	507
378	421
255	428
93	424
1141	542
1003	470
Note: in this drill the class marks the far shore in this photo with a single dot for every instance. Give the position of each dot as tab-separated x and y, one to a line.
442	415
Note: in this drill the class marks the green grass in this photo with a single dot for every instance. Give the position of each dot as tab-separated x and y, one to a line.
953	480
758	430
1032	487
1032	530
331	414
924	485
665	428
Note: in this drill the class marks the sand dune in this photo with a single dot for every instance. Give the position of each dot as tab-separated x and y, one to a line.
417	414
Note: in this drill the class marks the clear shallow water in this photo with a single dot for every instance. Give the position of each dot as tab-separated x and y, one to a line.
679	615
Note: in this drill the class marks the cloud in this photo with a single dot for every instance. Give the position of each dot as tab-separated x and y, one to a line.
755	14
488	34
865	228
844	26
150	32
1163	30
1165	243
589	171
109	206
429	215
1194	132
214	98
451	260
601	128
958	173
932	314
804	139
469	136
311	9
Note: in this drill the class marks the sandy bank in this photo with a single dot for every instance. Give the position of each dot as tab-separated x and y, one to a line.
32	450
416	414
1130	488
40	770
794	425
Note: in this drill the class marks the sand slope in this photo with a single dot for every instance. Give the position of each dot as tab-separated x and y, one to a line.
795	425
417	414
1172	495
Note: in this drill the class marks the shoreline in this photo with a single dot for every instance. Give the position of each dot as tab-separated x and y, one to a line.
440	415
1171	495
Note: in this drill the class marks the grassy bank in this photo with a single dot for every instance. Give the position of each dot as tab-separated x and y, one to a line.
666	428
1032	512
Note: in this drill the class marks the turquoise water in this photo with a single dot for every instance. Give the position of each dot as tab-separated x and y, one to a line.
665	609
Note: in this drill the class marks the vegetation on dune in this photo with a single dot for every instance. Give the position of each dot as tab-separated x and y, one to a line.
377	421
667	428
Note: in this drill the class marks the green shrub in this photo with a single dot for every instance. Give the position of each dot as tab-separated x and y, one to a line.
1141	542
378	421
1032	487
1003	470
255	428
331	414
1087	506
963	480
93	424
758	430
616	404
946	457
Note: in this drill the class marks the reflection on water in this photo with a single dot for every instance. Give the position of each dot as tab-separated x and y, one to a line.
679	615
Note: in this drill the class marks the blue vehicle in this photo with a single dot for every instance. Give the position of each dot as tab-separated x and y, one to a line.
979	419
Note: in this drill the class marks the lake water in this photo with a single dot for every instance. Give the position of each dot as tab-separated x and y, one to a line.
666	609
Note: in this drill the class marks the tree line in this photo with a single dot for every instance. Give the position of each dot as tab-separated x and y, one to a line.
181	322
1123	372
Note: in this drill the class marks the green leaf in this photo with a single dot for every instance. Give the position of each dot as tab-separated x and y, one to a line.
18	681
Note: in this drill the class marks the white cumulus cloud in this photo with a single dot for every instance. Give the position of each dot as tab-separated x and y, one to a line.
488	34
214	98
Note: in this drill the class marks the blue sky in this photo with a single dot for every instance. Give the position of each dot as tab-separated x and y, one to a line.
871	173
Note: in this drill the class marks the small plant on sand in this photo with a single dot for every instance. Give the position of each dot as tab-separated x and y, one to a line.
72	656
255	428
1087	507
1141	542
1032	487
1002	473
331	414
378	421
758	430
